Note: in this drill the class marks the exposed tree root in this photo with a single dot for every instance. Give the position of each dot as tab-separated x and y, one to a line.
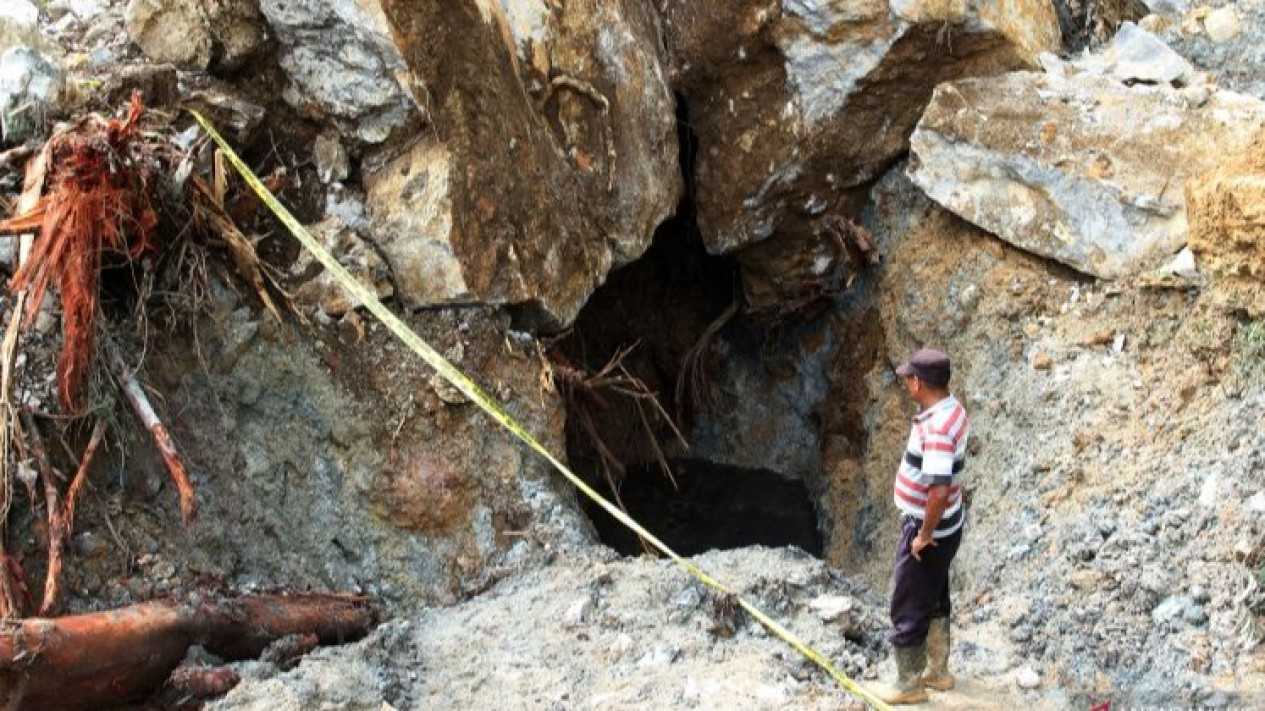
81	478
95	195
61	511
57	532
13	596
693	386
853	241
583	391
108	658
99	201
145	411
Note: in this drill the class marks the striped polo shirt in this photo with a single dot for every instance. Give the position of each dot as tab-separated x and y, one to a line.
934	456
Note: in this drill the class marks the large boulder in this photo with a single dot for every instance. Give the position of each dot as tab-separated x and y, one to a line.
343	64
522	150
196	35
1081	169
798	105
30	83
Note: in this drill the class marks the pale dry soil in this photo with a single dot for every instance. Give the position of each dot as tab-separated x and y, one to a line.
595	631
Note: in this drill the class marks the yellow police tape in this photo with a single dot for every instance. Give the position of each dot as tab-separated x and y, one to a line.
490	406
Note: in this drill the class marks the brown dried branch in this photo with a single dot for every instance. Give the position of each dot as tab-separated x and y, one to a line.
208	209
135	394
52	506
583	390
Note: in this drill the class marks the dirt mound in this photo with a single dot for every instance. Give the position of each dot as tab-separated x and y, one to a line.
600	632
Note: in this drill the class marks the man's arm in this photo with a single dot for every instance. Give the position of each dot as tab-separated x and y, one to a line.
937	463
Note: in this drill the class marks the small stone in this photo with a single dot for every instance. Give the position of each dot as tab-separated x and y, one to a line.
689	598
1171	610
46	318
1243	548
1137	55
1028	678
1222	25
446	391
1117	345
1041	361
831	607
579	612
1195	615
1195	97
56	9
332	163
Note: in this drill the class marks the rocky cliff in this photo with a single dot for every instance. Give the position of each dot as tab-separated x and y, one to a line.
539	186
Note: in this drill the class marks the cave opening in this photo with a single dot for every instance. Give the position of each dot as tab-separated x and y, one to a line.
672	321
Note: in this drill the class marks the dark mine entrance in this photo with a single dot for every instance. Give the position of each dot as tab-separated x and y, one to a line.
650	318
712	507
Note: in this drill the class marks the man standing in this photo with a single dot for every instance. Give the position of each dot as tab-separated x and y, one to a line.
928	492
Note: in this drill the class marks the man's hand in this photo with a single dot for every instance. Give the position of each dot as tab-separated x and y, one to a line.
937	502
919	543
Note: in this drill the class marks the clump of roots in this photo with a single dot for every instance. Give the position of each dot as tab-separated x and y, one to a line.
97	197
694	391
101	175
585	392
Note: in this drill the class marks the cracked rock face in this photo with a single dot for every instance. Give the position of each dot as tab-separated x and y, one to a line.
798	105
472	117
342	64
1084	170
537	105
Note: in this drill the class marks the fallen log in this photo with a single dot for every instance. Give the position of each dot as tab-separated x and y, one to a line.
108	658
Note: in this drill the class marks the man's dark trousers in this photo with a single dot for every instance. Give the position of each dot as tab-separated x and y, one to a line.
921	589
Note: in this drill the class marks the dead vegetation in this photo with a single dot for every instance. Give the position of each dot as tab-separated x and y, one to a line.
124	220
694	392
585	392
114	204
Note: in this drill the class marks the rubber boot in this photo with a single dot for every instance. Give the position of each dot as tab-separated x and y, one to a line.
910	661
938	638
